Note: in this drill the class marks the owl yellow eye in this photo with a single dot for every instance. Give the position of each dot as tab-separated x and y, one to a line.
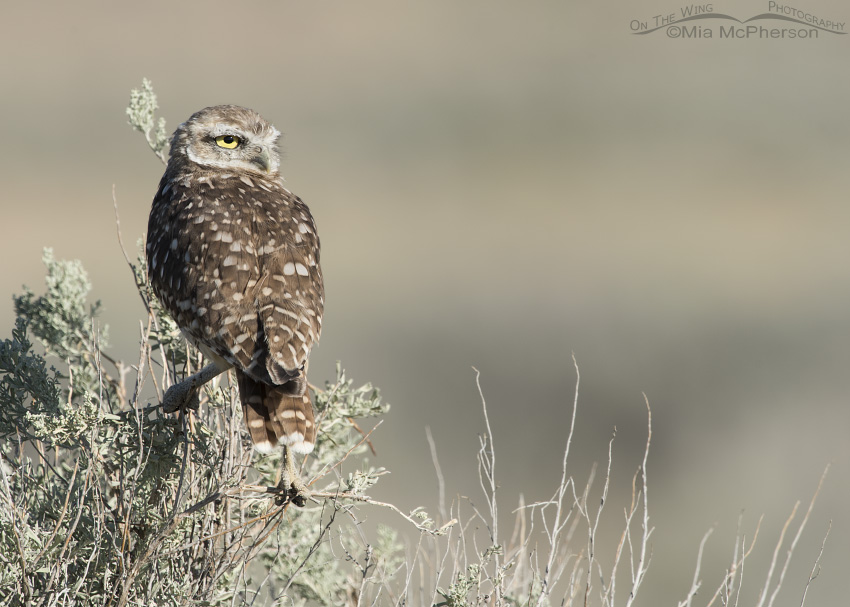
227	141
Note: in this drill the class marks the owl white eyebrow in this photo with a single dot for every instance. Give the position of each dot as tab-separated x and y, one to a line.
223	129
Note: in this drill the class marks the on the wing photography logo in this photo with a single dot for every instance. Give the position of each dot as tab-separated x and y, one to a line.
781	21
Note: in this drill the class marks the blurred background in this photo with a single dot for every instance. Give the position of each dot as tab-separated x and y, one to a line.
499	185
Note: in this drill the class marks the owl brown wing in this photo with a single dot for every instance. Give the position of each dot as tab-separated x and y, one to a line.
238	268
289	293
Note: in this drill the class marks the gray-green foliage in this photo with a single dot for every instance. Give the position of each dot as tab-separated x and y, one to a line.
62	318
108	501
26	383
141	116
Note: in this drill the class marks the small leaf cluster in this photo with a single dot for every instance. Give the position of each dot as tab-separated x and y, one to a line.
141	116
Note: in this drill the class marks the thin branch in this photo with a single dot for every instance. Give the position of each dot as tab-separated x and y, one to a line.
560	518
327	470
18	546
816	567
695	585
61	514
441	482
640	571
367	500
799	533
736	565
118	231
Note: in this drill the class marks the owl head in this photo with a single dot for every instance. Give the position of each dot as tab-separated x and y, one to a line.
227	137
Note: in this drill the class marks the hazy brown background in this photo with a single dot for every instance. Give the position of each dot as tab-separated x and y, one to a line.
500	184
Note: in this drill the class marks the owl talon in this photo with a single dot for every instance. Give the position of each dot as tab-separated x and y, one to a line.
292	494
291	488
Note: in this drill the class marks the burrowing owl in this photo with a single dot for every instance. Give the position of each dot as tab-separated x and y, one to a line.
234	257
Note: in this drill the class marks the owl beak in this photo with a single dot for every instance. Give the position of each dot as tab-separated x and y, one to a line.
263	160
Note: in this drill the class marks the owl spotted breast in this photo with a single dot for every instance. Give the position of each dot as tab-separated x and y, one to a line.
234	257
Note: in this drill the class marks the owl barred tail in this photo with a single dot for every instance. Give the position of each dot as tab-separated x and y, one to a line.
275	417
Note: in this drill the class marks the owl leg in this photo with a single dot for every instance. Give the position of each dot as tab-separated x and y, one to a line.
185	394
291	488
